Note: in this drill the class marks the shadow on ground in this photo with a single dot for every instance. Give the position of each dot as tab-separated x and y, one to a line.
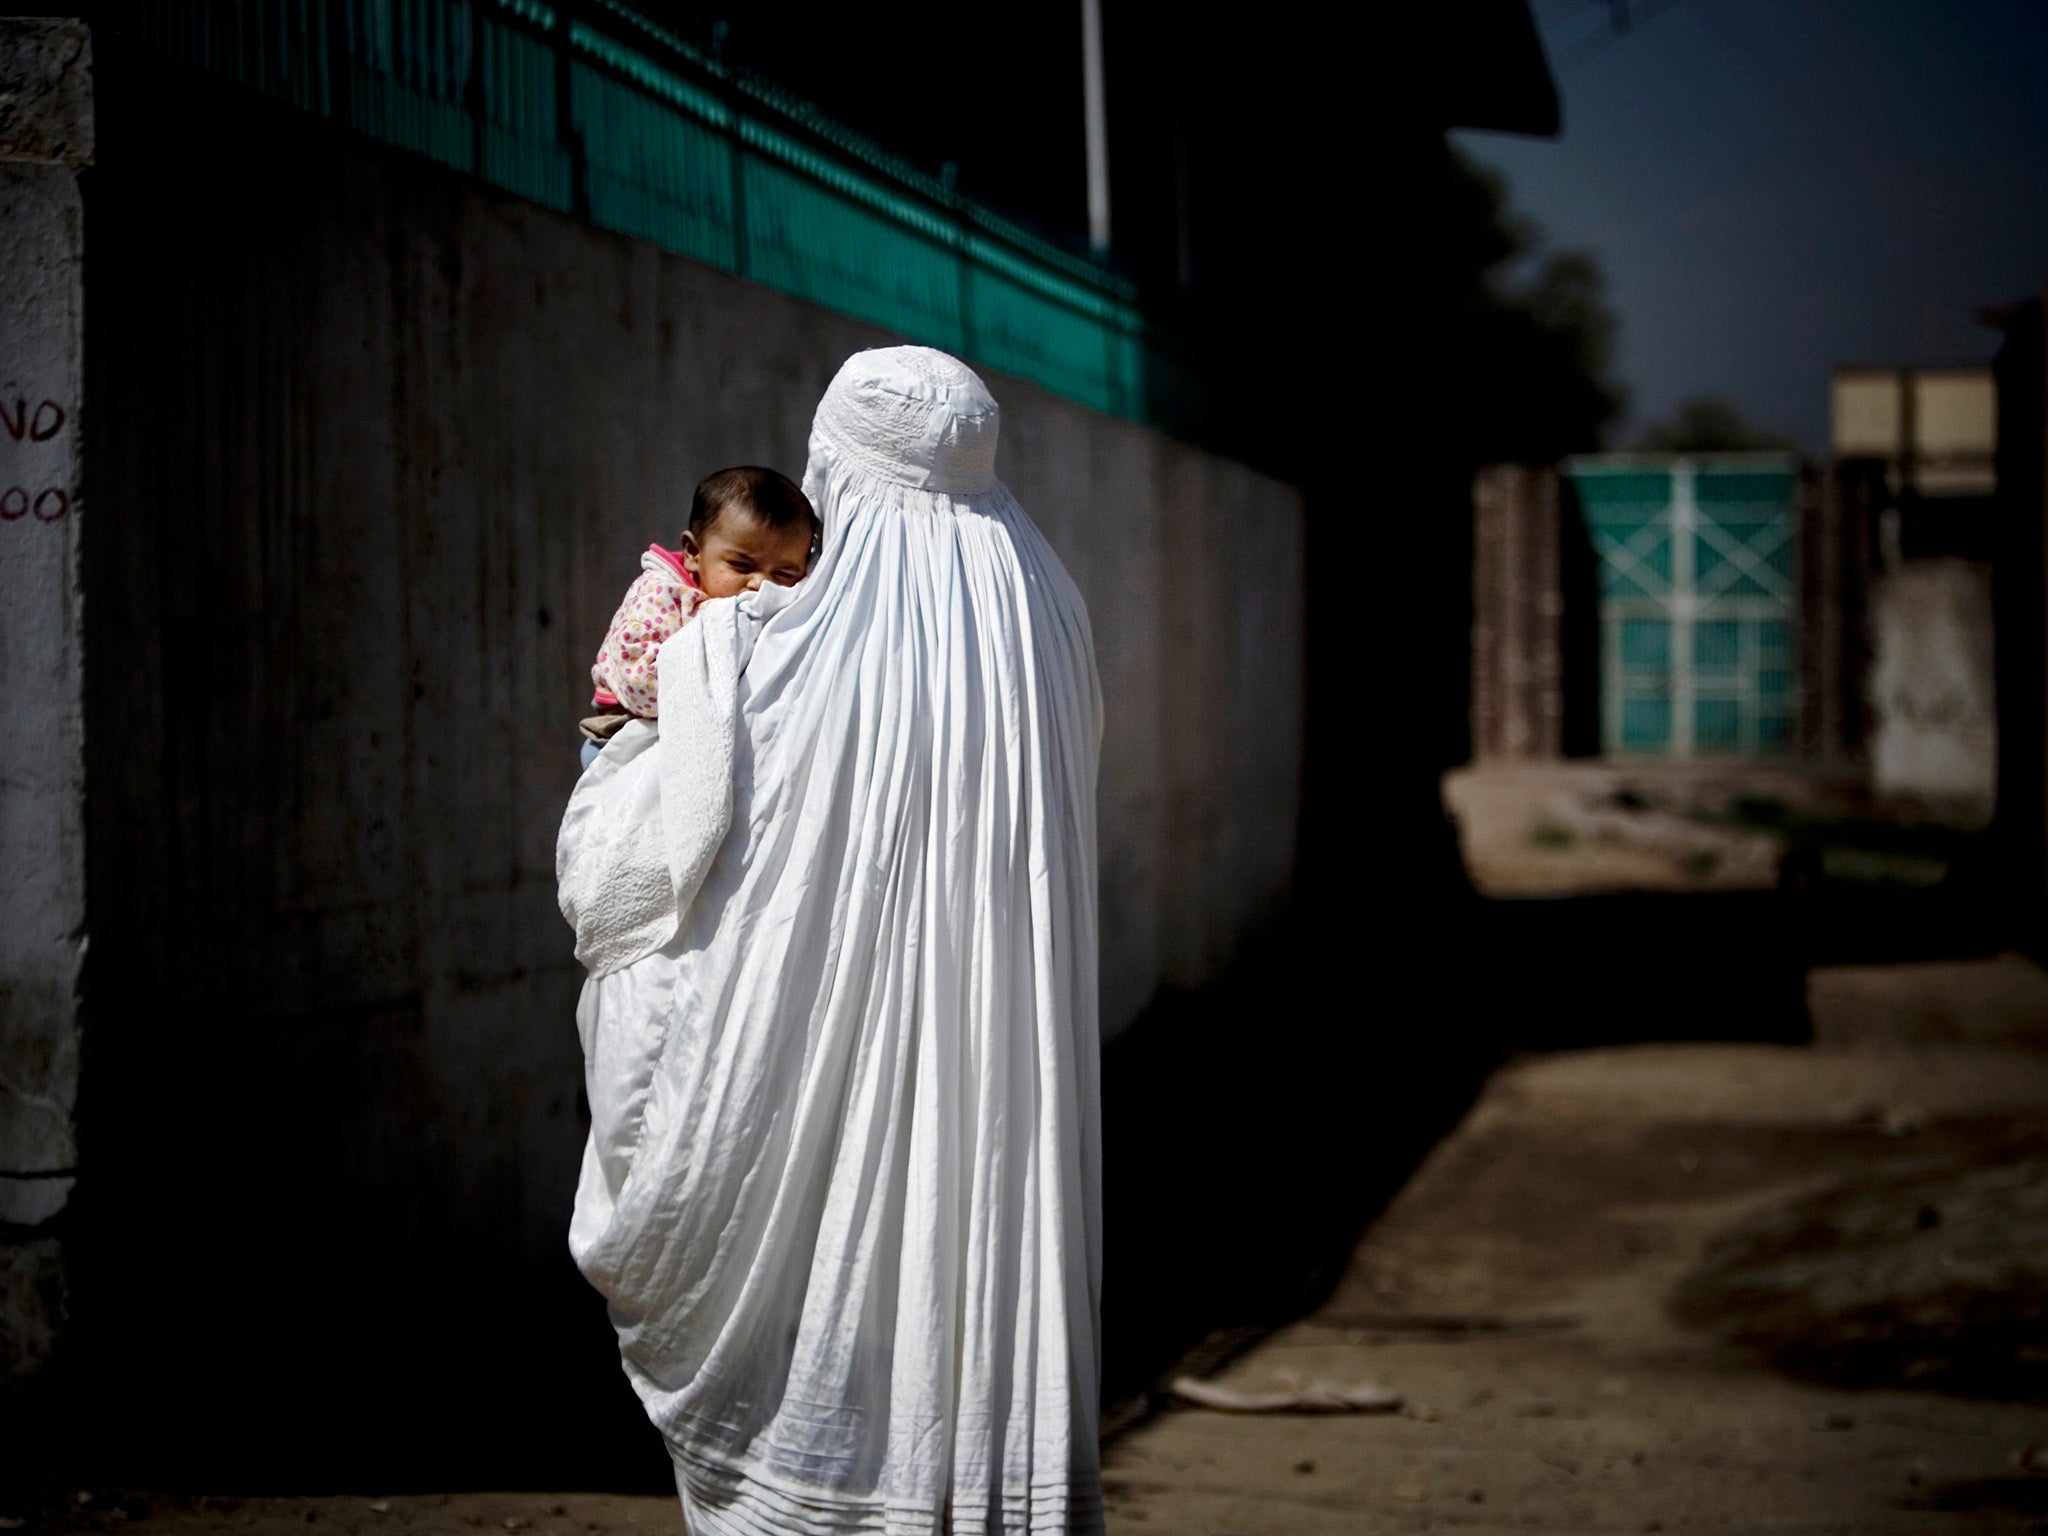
1254	1130
1250	1133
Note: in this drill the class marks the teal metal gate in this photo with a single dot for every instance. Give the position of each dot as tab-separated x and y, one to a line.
1697	599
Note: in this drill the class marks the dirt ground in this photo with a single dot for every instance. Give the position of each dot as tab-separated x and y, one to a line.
1682	1288
1587	827
1678	1288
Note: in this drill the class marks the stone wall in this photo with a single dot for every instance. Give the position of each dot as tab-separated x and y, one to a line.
1535	640
1517	615
382	449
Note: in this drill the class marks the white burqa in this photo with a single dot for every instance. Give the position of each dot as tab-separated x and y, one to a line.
842	1185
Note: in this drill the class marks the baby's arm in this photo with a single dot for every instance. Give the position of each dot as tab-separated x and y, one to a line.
654	609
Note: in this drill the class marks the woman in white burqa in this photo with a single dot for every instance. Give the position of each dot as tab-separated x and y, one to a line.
841	1190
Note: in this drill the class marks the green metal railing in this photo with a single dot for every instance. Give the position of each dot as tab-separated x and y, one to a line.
591	110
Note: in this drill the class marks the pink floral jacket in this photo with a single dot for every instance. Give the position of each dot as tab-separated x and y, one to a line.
662	599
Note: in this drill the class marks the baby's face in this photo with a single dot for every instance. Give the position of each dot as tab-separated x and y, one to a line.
738	554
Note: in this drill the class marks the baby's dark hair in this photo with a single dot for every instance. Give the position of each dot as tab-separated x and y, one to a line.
761	494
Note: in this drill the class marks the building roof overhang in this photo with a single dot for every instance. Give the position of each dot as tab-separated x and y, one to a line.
1483	67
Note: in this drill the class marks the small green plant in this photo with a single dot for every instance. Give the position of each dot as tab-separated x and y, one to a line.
1867	867
1854	848
1700	864
1764	813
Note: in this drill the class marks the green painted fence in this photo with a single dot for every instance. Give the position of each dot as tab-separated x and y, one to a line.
1697	599
592	110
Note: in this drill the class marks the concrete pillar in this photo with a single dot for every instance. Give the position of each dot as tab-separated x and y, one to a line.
45	138
1933	687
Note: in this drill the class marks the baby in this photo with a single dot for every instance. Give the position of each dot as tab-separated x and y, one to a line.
747	526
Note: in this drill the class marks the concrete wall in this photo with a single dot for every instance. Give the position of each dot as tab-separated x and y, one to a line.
45	135
1933	686
382	448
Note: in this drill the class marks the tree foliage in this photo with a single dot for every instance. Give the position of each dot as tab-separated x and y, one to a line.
1706	424
1535	330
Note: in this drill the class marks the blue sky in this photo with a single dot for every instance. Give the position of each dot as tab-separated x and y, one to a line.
1777	187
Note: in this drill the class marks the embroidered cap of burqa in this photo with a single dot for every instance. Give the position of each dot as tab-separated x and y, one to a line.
842	1190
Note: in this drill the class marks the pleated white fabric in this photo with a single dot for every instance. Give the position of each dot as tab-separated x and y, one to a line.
842	1187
